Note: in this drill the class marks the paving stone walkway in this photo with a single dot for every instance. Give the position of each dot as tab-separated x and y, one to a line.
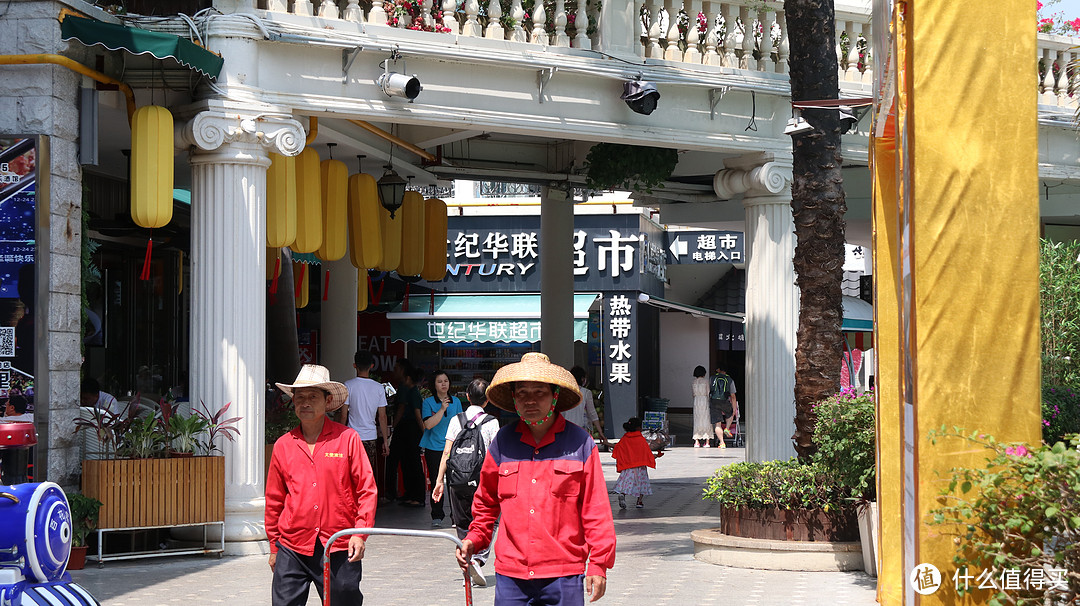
654	561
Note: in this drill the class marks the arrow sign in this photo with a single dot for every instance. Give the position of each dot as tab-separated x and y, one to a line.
677	248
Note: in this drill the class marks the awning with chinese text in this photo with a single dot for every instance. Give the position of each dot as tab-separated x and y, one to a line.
479	319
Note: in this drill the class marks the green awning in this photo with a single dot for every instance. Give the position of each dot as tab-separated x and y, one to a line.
141	42
479	318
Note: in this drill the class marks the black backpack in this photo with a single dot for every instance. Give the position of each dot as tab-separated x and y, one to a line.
467	452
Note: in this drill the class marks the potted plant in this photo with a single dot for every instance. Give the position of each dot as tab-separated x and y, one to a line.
185	432
845	433
84	520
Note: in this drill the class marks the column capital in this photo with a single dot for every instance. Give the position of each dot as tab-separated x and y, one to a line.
211	129
768	179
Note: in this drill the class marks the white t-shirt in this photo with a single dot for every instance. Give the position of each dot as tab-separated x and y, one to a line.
108	402
366	397
487	430
584	412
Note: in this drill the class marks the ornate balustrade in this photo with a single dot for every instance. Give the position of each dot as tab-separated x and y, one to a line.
1057	75
728	34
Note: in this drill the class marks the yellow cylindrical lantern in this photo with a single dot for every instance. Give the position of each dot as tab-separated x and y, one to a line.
335	198
151	166
412	234
281	201
301	275
309	223
273	260
361	290
391	240
365	232
434	240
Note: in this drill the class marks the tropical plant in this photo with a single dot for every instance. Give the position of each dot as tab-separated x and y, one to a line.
143	440
1017	515
217	425
776	484
184	433
84	517
817	207
845	437
630	167
1059	300
280	417
1060	413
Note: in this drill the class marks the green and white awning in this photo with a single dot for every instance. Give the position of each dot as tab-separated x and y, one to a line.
478	318
141	42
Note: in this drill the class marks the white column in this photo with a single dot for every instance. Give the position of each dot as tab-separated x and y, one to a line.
228	312
557	276
772	301
338	320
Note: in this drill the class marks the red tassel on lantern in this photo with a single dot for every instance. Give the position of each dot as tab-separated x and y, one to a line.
300	281
145	274
277	273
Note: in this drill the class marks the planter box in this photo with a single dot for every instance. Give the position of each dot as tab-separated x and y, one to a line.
868	534
139	493
790	524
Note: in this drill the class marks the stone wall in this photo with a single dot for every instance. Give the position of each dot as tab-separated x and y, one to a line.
43	100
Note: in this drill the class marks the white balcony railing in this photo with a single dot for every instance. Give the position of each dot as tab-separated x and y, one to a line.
716	35
704	32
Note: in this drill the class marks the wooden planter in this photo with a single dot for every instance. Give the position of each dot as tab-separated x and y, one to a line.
790	524
139	493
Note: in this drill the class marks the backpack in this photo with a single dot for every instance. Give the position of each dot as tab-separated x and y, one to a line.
719	387
467	452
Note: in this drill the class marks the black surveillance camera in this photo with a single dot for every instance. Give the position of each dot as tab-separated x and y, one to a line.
640	96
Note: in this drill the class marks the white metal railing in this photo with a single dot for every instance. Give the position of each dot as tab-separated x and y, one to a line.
729	34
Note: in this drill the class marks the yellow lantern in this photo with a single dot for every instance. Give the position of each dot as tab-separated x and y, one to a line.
365	232
434	240
301	283
335	197
361	290
309	223
391	240
412	234
151	166
281	201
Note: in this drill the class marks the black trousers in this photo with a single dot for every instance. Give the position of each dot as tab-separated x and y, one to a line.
405	449
433	458
294	573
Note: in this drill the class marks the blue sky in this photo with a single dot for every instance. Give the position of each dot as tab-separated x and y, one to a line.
1071	8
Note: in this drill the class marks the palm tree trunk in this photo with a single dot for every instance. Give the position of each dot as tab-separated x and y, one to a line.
817	206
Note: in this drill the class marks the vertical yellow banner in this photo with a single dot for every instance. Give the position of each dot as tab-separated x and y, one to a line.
967	267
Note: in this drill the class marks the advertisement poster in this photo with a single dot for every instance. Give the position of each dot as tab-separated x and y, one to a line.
18	197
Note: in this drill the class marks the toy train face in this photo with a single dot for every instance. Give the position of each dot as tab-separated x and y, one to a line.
35	542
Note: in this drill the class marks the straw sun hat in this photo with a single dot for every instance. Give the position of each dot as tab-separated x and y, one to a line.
313	375
533	367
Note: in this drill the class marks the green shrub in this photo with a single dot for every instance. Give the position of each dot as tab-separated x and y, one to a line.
782	484
1019	512
1059	301
845	436
1060	413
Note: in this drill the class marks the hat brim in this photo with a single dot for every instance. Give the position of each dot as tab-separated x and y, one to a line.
501	394
339	392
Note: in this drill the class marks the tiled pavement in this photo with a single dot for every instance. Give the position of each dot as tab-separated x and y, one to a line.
654	561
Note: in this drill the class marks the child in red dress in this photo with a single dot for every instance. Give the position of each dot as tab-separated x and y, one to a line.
632	455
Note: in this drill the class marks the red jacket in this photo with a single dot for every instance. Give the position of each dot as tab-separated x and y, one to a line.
311	497
556	514
633	451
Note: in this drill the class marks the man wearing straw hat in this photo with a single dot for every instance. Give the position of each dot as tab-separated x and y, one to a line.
543	476
320	482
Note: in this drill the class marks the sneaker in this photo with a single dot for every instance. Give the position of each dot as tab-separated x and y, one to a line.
697	444
436	523
640	505
622	501
727	433
722	445
476	574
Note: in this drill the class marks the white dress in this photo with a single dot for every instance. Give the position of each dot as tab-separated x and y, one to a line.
703	429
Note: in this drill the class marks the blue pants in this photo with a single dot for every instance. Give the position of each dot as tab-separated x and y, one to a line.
558	591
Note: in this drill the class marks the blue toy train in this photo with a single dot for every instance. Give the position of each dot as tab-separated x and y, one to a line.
35	542
35	531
